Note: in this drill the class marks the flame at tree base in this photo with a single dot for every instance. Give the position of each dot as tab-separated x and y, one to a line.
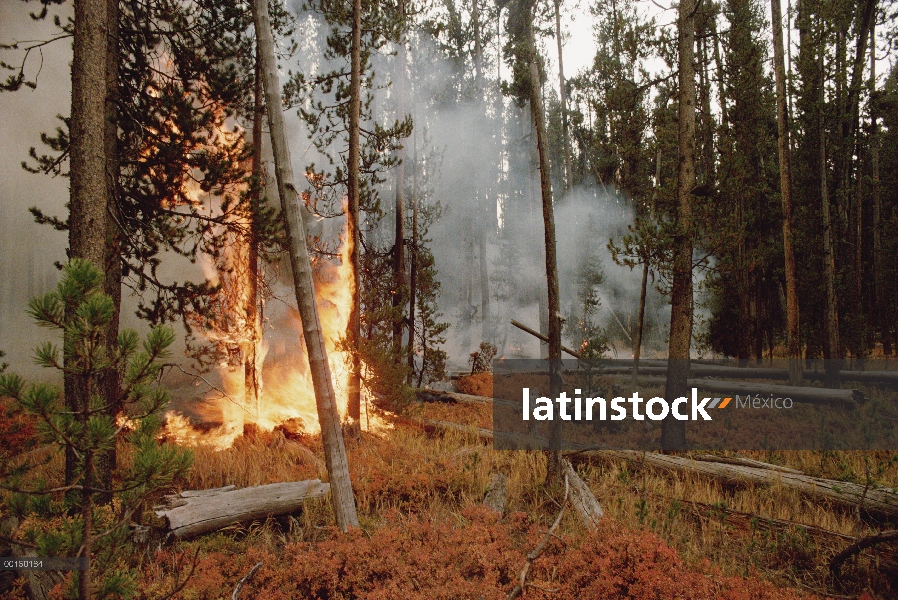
287	397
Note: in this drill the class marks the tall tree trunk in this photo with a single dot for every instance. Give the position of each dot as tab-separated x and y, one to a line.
831	321
354	406
562	95
643	288
251	376
304	287
399	281
554	306
646	267
110	381
673	432
793	322
478	47
485	314
88	189
878	266
413	277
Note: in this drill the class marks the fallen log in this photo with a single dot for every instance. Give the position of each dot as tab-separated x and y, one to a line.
809	395
582	498
450	397
872	498
659	367
497	493
746	462
195	512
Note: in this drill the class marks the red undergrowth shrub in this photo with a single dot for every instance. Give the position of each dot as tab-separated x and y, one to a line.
472	556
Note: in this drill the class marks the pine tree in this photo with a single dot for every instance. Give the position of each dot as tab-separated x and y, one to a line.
81	311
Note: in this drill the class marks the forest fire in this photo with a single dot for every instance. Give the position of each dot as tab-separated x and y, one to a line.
287	397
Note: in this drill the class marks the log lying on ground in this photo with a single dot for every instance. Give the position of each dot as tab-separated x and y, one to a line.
809	395
582	498
659	367
497	493
745	462
451	397
195	512
872	498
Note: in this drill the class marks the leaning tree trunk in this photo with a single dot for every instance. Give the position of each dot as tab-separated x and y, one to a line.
88	193
556	465
304	287
793	323
354	406
673	432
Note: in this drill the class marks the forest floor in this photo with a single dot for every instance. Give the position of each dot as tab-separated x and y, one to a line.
426	534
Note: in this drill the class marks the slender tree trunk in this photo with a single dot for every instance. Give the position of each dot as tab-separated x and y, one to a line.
413	278
399	281
354	407
478	47
831	324
304	287
673	432
554	306
485	314
110	380
793	322
88	199
646	267
562	95
881	326
251	376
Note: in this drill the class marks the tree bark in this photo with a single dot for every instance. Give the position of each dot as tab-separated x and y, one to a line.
110	381
354	405
304	287
793	321
88	190
673	432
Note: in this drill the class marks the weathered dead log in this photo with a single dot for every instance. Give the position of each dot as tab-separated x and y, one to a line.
195	512
582	498
497	493
659	367
872	498
808	395
450	397
746	462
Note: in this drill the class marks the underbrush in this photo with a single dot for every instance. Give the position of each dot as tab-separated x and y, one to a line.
424	533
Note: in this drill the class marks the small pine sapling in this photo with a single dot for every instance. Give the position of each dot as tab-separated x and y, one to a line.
72	520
